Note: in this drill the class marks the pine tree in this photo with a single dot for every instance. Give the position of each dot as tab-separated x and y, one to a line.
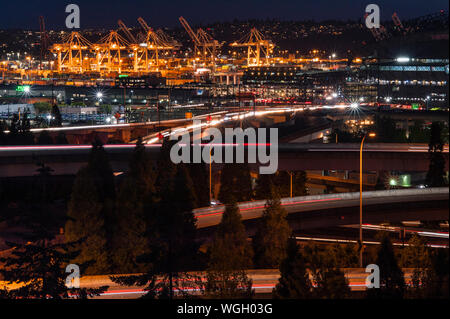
430	274
436	170
235	180
56	116
392	282
282	181
230	256
200	178
37	267
135	194
100	168
87	223
271	238
91	211
294	282
418	256
330	281
264	185
171	232
166	169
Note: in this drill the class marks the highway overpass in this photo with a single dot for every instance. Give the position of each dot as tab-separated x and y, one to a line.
68	159
331	210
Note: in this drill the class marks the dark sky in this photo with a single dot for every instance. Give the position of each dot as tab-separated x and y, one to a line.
105	13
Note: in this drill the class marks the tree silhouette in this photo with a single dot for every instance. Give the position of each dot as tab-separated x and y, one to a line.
87	224
200	178
329	279
430	273
273	232
37	267
392	282
56	116
136	193
282	181
91	211
171	232
230	256
294	282
235	181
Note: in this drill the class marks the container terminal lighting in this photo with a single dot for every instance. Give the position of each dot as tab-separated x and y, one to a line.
354	105
403	59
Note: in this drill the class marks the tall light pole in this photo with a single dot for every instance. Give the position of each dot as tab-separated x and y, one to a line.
210	176
360	197
290	175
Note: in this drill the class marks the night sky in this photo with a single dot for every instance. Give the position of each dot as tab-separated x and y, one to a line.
105	13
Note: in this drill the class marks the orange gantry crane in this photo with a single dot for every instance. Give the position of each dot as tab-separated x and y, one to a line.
147	57
72	54
109	53
259	48
127	32
205	46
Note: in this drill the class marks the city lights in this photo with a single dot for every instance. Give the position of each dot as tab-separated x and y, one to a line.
246	151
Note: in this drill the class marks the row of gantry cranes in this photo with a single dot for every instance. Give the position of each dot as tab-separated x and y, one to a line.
148	51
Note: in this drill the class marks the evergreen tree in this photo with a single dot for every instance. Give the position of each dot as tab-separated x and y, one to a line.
430	274
171	232
264	185
37	267
272	235
236	182
282	181
392	281
56	116
230	256
329	279
91	211
135	194
418	256
200	178
436	170
87	224
102	173
166	169
294	282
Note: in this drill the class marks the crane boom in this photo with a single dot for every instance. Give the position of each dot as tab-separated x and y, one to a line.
124	28
189	30
144	24
44	38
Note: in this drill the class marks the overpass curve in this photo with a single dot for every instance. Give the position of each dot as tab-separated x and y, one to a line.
211	216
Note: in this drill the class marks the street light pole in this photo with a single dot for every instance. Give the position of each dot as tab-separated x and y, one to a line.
290	175
360	203
360	197
210	176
